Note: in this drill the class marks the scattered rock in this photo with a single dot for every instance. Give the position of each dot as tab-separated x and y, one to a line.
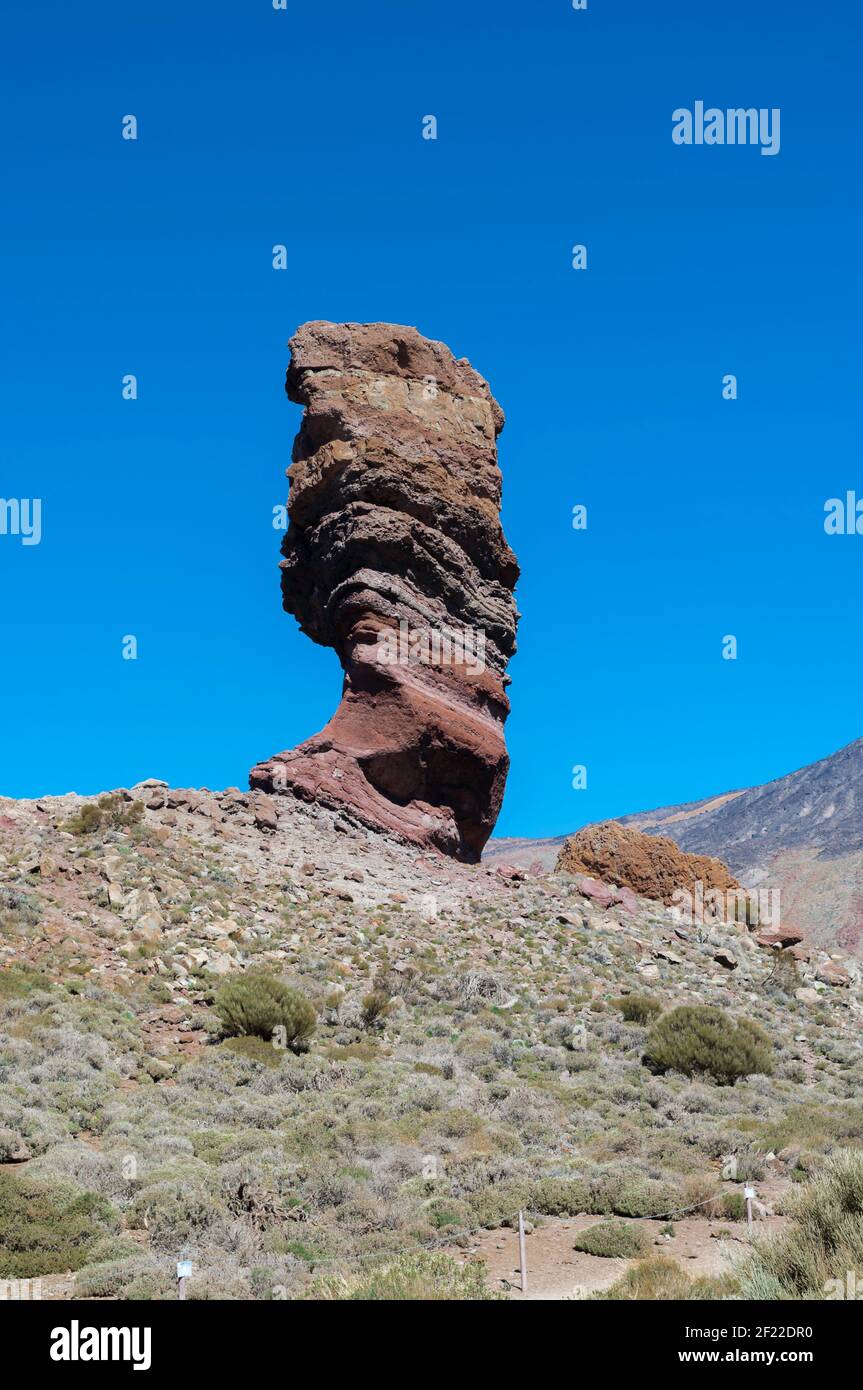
141	902
779	937
150	926
597	892
833	974
265	814
626	900
663	953
726	958
511	872
806	995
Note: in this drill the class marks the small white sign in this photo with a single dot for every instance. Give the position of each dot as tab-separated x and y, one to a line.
184	1269
749	1193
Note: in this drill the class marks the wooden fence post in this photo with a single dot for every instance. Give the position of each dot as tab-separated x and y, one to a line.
522	1253
184	1269
749	1193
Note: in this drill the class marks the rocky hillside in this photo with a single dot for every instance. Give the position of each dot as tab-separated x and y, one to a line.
802	834
479	1049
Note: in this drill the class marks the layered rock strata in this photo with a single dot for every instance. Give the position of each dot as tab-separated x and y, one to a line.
395	557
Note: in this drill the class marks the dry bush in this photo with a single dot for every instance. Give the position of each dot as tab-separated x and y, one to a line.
612	1239
824	1239
700	1040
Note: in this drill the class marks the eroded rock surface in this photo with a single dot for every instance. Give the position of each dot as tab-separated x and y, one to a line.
395	557
651	865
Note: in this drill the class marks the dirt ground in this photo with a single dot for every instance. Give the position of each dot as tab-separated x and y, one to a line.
557	1272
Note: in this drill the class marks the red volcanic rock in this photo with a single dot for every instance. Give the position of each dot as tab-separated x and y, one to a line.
833	974
780	937
626	900
651	865
600	893
396	558
511	872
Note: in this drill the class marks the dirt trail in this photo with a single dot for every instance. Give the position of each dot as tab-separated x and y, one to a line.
556	1271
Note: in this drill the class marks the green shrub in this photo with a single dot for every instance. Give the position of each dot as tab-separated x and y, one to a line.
784	976
425	1277
638	1008
621	1194
85	821
111	1278
659	1279
113	1247
560	1197
108	813
177	1214
700	1040
256	1004
46	1229
255	1050
375	1007
750	1166
499	1203
447	1211
18	909
613	1239
20	980
823	1241
733	1206
151	1286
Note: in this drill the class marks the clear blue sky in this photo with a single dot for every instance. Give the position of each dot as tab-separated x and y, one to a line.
304	127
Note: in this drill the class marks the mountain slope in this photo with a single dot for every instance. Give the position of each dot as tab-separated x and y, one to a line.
819	807
802	833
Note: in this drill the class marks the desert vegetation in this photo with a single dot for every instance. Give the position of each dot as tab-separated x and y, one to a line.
699	1040
612	1239
823	1242
441	1071
258	1005
108	813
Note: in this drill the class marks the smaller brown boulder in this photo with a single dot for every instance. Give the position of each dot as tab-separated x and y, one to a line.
651	865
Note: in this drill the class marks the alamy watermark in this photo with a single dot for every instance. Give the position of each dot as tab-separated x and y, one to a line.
20	1289
735	126
698	907
850	1287
77	1343
430	646
21	516
844	515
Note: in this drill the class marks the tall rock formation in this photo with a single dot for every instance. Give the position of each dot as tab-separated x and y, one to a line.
395	557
